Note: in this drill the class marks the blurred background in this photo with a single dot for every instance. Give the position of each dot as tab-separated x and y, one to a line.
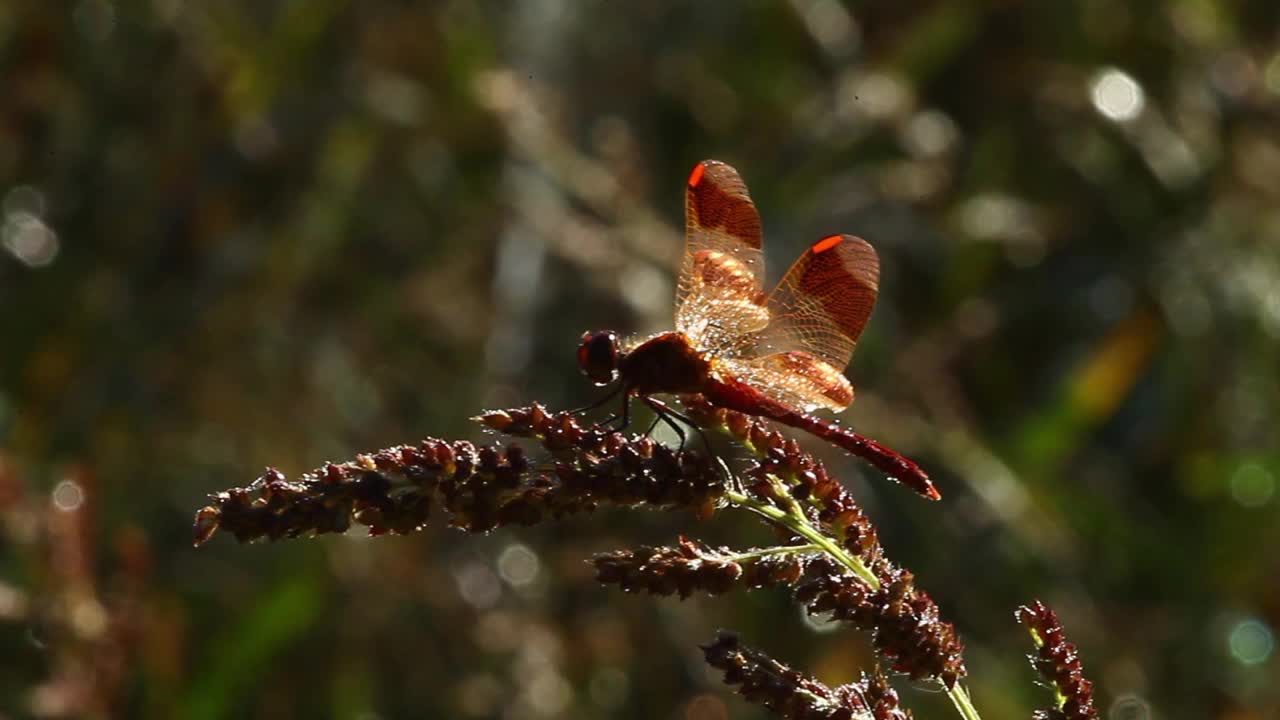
246	233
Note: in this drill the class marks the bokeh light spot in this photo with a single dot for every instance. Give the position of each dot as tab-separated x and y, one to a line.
1251	642
1130	707
1252	485
478	585
644	288
929	133
550	693
990	215
875	96
706	707
832	26
497	632
1116	95
518	565
89	618
24	199
1234	73
13	603
1271	74
27	238
395	97
67	496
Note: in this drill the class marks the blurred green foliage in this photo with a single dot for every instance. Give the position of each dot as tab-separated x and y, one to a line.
246	233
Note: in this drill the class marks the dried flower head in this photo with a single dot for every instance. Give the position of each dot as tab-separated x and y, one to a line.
479	488
806	478
692	566
1059	664
765	681
393	490
904	622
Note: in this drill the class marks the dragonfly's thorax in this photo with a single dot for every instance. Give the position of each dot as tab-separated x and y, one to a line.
666	363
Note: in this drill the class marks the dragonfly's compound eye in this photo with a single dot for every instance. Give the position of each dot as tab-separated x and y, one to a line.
598	357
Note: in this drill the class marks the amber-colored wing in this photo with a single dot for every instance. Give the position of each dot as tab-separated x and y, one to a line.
796	379
817	313
720	295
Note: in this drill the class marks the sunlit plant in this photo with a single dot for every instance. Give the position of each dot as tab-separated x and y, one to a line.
737	357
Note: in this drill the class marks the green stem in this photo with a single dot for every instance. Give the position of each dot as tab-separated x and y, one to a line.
796	523
1059	699
960	698
766	552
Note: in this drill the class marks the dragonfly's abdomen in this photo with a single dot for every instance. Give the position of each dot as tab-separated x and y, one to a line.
735	395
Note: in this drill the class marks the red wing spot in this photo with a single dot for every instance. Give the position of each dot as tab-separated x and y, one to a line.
695	177
719	200
827	243
843	281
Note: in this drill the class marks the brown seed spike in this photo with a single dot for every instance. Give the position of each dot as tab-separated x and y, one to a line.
1058	662
498	420
206	524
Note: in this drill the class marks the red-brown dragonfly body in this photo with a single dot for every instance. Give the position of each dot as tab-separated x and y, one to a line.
779	355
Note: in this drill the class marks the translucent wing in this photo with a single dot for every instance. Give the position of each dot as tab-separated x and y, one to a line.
720	294
817	312
822	304
796	379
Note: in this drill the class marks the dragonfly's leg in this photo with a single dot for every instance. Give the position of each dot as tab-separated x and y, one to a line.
624	417
663	413
656	419
606	398
706	442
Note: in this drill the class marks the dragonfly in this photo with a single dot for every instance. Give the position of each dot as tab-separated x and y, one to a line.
779	355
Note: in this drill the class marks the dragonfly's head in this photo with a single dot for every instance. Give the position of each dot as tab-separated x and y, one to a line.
598	356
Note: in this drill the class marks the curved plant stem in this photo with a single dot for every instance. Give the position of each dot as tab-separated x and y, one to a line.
798	524
794	520
779	550
960	698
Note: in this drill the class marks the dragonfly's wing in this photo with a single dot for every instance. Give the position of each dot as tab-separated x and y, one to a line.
823	302
796	379
720	294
